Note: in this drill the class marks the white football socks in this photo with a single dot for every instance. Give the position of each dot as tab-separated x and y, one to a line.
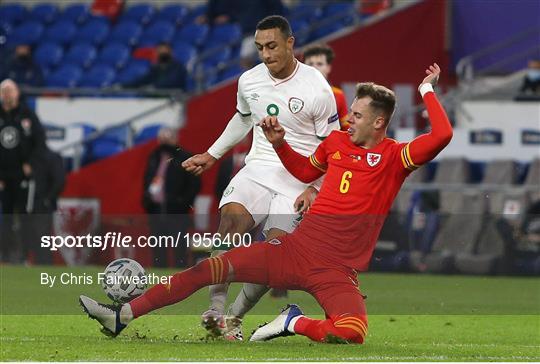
247	298
218	297
290	328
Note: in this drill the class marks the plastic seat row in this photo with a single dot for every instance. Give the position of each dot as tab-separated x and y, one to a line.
103	75
47	13
97	76
97	31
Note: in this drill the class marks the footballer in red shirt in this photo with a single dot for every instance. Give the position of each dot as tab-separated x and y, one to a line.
364	172
321	57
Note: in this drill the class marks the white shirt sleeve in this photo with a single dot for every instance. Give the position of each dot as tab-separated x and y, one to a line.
241	104
236	130
325	116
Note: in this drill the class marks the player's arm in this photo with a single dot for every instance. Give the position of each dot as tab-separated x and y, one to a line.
426	146
236	130
299	166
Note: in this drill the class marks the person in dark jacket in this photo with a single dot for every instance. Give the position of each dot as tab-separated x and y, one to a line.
166	73
22	69
21	139
169	192
46	185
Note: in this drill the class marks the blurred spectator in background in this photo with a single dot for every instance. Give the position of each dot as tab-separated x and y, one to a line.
169	192
247	13
531	82
166	73
321	57
21	139
22	69
46	185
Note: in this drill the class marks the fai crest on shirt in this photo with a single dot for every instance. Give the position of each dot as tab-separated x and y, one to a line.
295	105
373	159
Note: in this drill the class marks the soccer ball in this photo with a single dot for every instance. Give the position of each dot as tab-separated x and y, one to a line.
123	280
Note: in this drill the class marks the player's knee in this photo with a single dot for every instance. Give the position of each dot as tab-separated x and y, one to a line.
234	218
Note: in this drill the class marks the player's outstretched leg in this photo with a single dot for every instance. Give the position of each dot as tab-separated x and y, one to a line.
183	284
234	219
213	319
342	329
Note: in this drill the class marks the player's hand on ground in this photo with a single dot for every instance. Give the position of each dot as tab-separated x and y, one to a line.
273	130
198	163
432	77
305	199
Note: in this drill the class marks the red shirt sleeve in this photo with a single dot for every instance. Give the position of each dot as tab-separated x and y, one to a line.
341	104
426	146
305	169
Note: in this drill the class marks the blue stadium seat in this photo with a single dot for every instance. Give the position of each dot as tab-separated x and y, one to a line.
309	12
325	30
147	133
195	12
77	13
184	52
114	54
210	76
13	13
127	32
87	129
48	55
100	75
82	55
94	31
175	13
214	54
61	32
6	28
29	32
102	148
193	33
140	13
135	69
226	33
44	12
111	142
344	11
160	31
65	76
300	29
230	72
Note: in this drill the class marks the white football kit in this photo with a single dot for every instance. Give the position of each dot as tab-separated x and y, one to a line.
305	106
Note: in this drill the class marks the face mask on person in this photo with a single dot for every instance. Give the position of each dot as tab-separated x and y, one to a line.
164	58
24	58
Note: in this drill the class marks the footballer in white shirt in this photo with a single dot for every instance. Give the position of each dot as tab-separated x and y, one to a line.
263	190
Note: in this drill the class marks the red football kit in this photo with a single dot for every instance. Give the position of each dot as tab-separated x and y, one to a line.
334	240
342	109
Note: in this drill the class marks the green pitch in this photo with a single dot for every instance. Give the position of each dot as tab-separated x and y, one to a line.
411	318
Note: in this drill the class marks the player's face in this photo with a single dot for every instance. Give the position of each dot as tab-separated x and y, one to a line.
364	121
275	50
320	63
9	94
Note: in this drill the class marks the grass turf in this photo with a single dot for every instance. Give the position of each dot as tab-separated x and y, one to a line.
412	318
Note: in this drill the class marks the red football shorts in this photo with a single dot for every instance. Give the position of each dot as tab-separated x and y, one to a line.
280	263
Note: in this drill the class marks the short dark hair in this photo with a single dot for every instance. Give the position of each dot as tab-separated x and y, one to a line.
318	49
383	99
276	21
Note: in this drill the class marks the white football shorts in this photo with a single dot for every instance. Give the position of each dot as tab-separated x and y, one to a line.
263	203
